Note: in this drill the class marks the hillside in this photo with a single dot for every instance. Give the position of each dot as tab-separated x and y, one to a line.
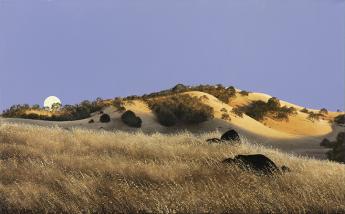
298	134
54	170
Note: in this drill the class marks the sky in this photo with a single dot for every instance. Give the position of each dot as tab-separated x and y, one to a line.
84	49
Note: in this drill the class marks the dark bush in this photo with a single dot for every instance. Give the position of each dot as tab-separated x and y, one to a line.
130	119
304	110
183	108
91	121
323	111
179	88
226	116
104	118
340	119
273	103
244	93
238	111
338	149
327	143
314	116
224	110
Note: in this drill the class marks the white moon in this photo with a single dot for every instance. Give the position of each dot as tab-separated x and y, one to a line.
49	101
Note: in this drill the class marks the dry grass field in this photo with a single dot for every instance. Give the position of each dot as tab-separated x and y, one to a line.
79	171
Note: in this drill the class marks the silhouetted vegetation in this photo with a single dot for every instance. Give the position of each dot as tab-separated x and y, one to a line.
323	111
244	93
104	118
58	113
238	111
314	116
340	119
130	119
91	121
180	108
226	116
338	148
272	108
304	110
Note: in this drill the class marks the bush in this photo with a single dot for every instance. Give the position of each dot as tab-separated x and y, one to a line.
224	110
238	111
340	119
304	110
104	118
226	116
91	121
338	149
183	108
323	111
244	93
130	119
327	143
314	116
273	103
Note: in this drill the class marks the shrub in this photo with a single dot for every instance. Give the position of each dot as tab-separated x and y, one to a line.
340	119
304	110
226	116
338	149
327	143
244	93
91	121
224	110
165	116
273	103
130	119
179	88
323	111
183	108
104	118
314	116
238	111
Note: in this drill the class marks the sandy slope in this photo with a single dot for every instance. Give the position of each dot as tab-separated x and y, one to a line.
298	135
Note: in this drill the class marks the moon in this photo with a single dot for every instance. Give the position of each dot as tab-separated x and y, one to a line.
49	101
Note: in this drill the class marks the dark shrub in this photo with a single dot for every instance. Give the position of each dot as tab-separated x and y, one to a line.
91	121
224	110
323	111
130	119
314	116
105	118
244	93
166	117
327	143
226	116
182	108
338	150
238	111
179	88
340	119
273	103
304	110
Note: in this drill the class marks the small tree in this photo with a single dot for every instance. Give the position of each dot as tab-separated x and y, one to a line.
273	103
323	111
130	119
244	93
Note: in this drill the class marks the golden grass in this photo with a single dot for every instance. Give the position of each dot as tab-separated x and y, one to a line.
55	170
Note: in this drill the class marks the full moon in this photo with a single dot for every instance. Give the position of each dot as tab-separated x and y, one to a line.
49	101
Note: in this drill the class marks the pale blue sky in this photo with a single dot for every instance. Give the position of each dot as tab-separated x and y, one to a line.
83	49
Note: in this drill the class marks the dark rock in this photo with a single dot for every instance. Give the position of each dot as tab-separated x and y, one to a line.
258	163
231	135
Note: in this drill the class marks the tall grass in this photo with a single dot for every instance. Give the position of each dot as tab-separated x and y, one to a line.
80	171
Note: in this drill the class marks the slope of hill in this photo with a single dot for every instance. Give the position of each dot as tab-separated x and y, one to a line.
82	171
298	135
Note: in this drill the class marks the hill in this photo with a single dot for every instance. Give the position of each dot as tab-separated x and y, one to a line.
298	133
55	170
